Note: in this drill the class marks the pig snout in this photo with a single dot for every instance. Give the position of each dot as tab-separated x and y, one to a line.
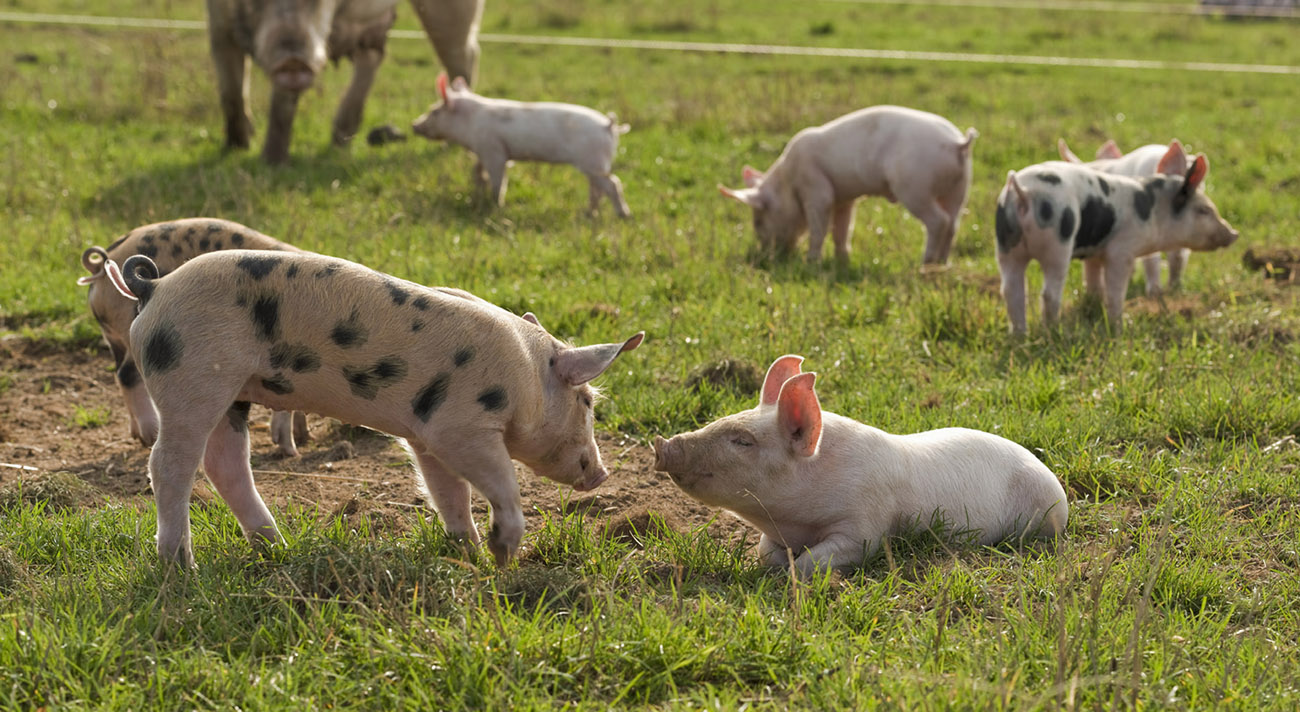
1228	236
594	480
664	454
293	74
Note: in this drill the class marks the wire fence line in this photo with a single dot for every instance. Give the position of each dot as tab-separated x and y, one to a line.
1271	9
721	47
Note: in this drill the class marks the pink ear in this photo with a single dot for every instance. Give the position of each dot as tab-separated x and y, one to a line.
800	415
751	177
531	318
1110	149
1066	153
1196	174
576	366
740	196
1174	162
442	85
781	370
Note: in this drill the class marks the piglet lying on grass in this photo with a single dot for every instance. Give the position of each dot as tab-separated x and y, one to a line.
466	383
828	488
169	245
499	131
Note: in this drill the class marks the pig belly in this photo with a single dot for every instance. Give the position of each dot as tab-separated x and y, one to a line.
330	403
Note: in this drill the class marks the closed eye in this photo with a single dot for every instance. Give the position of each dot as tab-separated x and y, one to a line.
742	441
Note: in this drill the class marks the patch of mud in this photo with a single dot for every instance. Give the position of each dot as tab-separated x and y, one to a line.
343	470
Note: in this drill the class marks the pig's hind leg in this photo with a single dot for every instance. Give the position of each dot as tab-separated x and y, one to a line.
842	228
940	227
225	462
1177	262
610	186
282	432
175	458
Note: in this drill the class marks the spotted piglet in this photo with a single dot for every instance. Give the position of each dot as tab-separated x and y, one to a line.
824	490
169	245
1056	211
1152	159
499	131
467	384
912	157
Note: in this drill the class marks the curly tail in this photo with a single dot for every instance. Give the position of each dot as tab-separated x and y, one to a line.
140	273
615	127
94	260
963	148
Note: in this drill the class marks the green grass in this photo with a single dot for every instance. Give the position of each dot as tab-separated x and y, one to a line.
1176	587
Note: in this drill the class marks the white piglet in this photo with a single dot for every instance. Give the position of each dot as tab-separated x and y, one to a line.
827	489
912	157
499	131
1149	160
467	384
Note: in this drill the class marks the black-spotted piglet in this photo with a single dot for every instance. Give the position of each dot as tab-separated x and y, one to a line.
169	245
467	384
1054	212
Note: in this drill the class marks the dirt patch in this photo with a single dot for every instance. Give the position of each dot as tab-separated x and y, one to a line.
1280	263
342	470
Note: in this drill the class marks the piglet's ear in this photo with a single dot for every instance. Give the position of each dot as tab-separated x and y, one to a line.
1110	149
576	366
799	415
1174	162
751	176
748	196
1196	173
1066	154
531	318
459	84
442	85
781	370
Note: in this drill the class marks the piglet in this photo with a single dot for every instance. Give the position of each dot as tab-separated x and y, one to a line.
499	131
913	157
825	489
467	384
1149	160
1056	211
169	244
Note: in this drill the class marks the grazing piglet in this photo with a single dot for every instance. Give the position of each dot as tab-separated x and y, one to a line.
828	489
913	157
1152	159
499	131
169	244
1056	211
467	384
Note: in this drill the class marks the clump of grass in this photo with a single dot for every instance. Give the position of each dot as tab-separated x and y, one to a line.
87	418
54	491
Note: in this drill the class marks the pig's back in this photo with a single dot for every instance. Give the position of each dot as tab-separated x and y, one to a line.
173	243
877	150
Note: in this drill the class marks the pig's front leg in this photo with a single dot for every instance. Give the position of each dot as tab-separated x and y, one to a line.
1118	272
1151	269
225	462
842	229
1093	279
478	175
449	496
279	130
365	64
1177	261
817	203
282	432
831	552
494	160
482	460
232	88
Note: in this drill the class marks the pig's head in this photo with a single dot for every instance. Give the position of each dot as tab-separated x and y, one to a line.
441	121
1185	209
563	445
289	43
744	462
778	216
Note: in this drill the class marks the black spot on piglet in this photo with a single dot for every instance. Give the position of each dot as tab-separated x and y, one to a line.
366	381
349	332
299	358
278	384
463	356
266	316
1142	202
1067	224
493	399
238	416
128	375
1050	178
1044	212
1096	222
431	396
162	350
398	293
257	265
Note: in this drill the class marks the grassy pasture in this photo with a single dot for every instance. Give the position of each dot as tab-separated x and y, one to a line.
1177	586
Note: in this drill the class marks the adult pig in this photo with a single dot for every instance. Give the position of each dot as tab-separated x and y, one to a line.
912	157
467	384
1149	160
169	244
291	40
1054	212
825	489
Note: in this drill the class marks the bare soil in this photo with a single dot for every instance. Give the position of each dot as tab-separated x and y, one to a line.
343	469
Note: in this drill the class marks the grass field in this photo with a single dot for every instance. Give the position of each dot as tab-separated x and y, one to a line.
1176	587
